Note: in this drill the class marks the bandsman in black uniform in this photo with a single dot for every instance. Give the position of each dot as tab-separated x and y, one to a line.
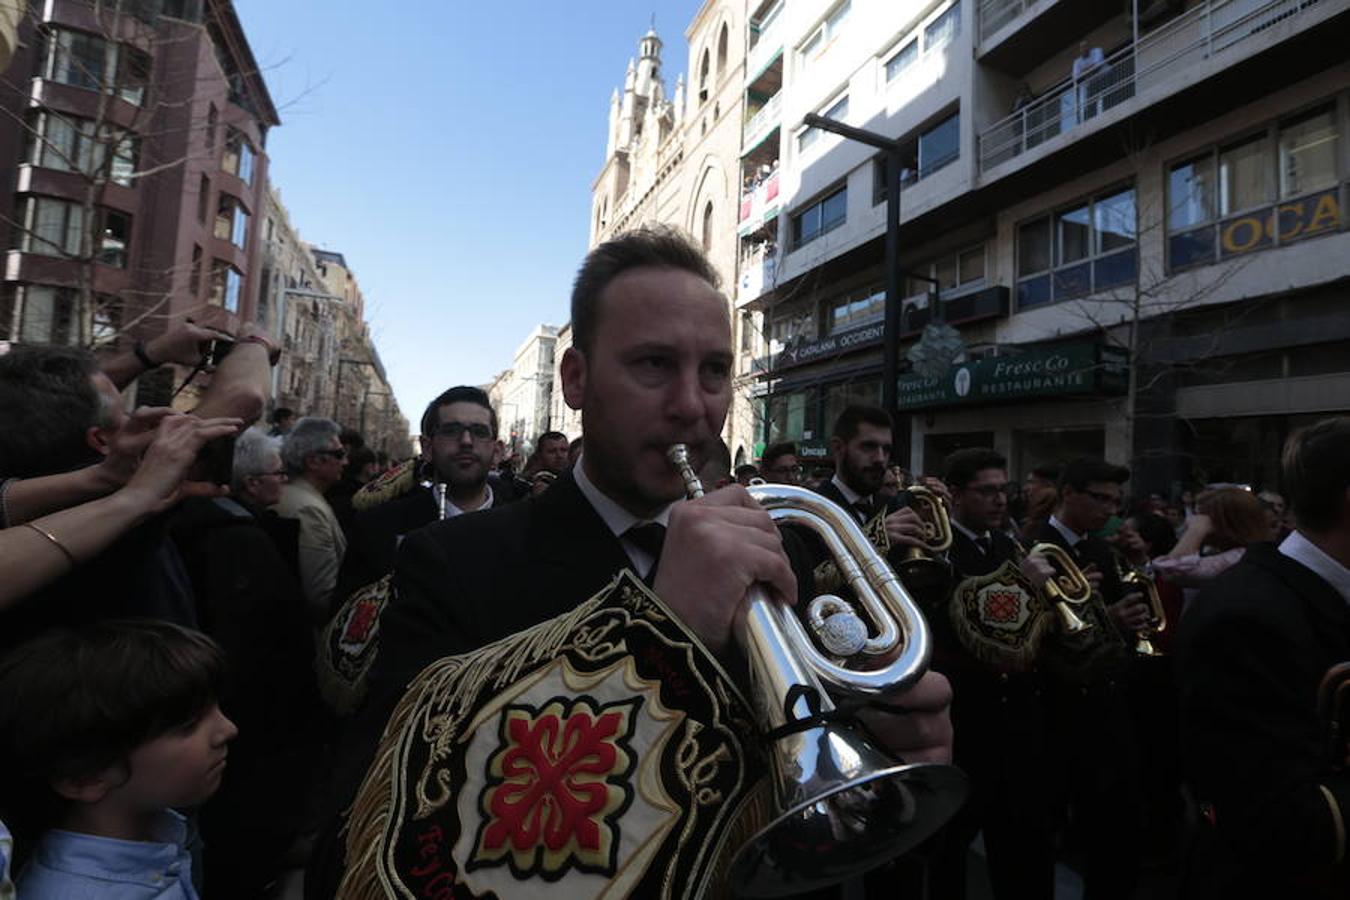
1092	737
988	637
450	478
599	617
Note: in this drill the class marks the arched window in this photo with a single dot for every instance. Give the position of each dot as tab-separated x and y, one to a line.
722	52
707	226
703	78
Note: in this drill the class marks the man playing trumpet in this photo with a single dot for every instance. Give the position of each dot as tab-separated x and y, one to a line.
554	580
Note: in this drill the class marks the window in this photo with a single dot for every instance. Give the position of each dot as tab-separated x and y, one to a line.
203	198
1307	154
820	217
940	145
905	57
840	396
133	74
239	156
943	30
837	111
1084	249
856	309
1272	189
828	30
195	275
231	221
78	59
788	416
225	285
211	118
47	315
953	272
703	69
52	227
114	235
722	51
707	226
106	320
70	145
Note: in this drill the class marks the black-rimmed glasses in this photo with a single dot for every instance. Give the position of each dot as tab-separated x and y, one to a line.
455	431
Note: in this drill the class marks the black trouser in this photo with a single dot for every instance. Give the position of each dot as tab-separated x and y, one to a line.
1093	741
1000	726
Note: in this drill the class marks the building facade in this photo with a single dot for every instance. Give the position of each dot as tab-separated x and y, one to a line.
1133	217
133	189
523	394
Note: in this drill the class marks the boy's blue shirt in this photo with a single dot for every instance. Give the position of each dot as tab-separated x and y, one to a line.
72	866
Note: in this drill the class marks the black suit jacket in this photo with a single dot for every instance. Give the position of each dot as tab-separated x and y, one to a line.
1251	651
829	489
373	539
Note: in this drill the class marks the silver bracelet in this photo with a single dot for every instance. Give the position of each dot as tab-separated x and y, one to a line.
4	509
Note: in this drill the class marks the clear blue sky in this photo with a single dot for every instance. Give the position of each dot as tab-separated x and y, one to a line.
447	148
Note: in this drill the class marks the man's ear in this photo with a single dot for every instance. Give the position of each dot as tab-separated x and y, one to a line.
90	789
573	372
425	443
99	439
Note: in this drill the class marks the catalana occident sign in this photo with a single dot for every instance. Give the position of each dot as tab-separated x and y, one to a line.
809	351
1075	367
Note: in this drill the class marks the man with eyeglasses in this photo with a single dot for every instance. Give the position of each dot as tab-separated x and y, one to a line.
779	464
314	458
987	636
1091	725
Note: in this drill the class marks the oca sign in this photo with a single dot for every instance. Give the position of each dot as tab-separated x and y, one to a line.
1286	223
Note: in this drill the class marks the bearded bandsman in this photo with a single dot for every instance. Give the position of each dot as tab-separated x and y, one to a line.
581	724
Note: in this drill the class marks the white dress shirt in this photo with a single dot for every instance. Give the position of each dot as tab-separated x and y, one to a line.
1301	550
618	520
1070	535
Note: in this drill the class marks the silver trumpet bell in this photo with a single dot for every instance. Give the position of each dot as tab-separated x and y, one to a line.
843	804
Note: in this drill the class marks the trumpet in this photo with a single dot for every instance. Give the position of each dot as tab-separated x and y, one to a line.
1134	580
1333	705
843	805
1068	587
920	566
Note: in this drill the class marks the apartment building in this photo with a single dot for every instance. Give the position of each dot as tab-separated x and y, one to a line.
1132	214
132	187
523	394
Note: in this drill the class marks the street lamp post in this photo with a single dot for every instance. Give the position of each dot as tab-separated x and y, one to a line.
890	332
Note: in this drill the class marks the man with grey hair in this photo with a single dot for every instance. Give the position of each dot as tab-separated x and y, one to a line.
314	457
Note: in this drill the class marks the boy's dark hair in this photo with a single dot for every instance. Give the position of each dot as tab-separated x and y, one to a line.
1317	473
962	465
550	436
351	439
655	246
74	702
461	394
49	403
847	425
359	458
1087	470
773	451
281	414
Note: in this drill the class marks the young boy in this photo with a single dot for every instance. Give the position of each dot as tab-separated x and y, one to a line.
103	732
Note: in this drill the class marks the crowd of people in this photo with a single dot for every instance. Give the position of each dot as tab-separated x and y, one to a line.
232	649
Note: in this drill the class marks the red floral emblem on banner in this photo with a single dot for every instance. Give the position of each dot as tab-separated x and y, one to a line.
556	788
1002	606
363	617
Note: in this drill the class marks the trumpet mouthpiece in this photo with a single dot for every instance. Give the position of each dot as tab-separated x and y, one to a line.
678	454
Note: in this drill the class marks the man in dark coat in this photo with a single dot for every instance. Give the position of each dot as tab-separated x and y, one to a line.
650	366
987	638
1091	730
1274	793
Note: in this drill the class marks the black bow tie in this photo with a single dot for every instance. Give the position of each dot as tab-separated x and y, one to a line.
866	508
649	538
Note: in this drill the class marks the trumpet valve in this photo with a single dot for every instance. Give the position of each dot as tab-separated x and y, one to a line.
841	631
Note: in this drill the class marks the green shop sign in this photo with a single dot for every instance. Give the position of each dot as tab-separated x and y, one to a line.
1077	367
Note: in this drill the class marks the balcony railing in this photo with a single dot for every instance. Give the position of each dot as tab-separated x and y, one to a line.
1205	31
762	122
768	42
758	203
994	14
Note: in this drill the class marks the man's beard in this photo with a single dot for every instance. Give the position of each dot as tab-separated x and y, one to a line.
864	481
459	480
